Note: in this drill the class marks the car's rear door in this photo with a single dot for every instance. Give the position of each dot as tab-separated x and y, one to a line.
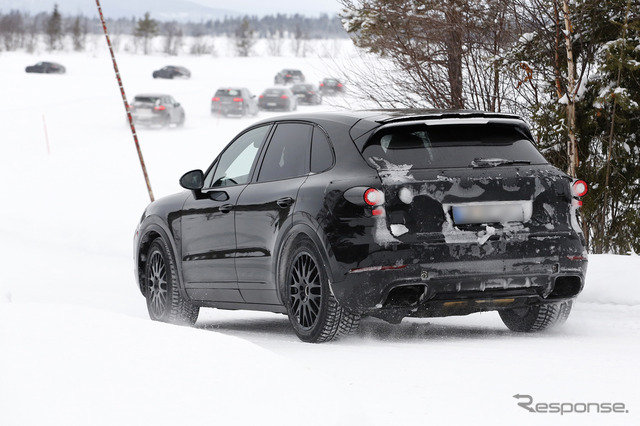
265	210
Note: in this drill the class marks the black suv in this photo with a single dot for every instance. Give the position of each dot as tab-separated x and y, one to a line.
329	217
46	68
172	71
289	76
331	86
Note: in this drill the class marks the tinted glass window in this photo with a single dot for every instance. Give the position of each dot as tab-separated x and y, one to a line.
273	92
228	92
321	152
288	153
460	145
237	160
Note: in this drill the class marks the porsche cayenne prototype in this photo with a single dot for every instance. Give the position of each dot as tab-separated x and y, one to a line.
331	217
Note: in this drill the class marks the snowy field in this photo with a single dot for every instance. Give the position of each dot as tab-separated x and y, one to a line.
77	347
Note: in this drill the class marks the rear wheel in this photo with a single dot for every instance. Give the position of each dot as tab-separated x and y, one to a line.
536	318
313	311
164	301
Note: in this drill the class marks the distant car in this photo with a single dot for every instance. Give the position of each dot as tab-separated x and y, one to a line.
172	71
234	101
278	98
289	76
156	109
46	68
307	94
331	86
332	216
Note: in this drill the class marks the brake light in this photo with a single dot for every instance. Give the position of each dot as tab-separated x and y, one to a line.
339	84
238	100
373	197
288	75
216	99
159	108
321	84
261	97
579	188
284	97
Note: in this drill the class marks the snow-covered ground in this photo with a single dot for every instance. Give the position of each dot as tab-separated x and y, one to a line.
77	347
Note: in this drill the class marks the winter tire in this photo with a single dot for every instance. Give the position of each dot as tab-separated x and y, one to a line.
536	318
313	311
164	301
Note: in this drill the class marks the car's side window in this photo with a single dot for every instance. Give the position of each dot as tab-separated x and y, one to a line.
288	153
321	152
235	164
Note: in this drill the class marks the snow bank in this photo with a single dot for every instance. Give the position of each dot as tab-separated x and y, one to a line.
612	279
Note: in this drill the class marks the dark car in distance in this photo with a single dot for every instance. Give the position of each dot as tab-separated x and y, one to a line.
234	101
278	98
46	68
307	94
155	109
288	76
331	86
330	217
172	71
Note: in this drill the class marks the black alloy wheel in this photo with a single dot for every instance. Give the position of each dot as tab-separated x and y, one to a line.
306	290
164	301
313	311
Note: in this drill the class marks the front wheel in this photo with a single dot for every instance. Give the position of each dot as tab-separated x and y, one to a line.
164	301
536	318
313	311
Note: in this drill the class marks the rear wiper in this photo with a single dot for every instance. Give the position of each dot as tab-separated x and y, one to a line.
494	162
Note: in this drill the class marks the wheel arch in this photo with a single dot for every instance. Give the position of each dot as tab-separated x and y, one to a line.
297	231
153	230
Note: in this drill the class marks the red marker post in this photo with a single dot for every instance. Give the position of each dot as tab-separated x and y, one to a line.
124	99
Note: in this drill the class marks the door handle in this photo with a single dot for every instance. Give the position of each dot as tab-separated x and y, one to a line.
226	208
285	202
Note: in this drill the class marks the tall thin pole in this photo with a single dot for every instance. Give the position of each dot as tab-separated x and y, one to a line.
126	104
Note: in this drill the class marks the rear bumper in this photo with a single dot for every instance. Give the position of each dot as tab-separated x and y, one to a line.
236	108
414	282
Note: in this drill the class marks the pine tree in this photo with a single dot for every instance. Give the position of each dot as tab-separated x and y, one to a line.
54	29
79	34
244	40
146	29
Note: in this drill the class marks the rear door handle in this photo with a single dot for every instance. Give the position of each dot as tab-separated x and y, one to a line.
226	208
285	202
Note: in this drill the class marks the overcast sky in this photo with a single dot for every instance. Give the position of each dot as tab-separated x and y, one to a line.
266	7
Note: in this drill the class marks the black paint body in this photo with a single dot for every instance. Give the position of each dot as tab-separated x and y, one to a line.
229	251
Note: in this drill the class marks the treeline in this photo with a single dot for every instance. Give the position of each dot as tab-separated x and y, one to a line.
22	30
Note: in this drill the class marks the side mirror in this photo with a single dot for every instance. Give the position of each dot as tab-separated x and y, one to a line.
193	180
177	104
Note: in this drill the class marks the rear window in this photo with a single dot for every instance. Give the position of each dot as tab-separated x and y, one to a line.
228	92
146	99
463	145
273	92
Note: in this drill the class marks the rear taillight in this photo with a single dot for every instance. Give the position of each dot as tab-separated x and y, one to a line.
216	99
284	97
373	197
261	97
159	108
339	84
579	188
238	100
